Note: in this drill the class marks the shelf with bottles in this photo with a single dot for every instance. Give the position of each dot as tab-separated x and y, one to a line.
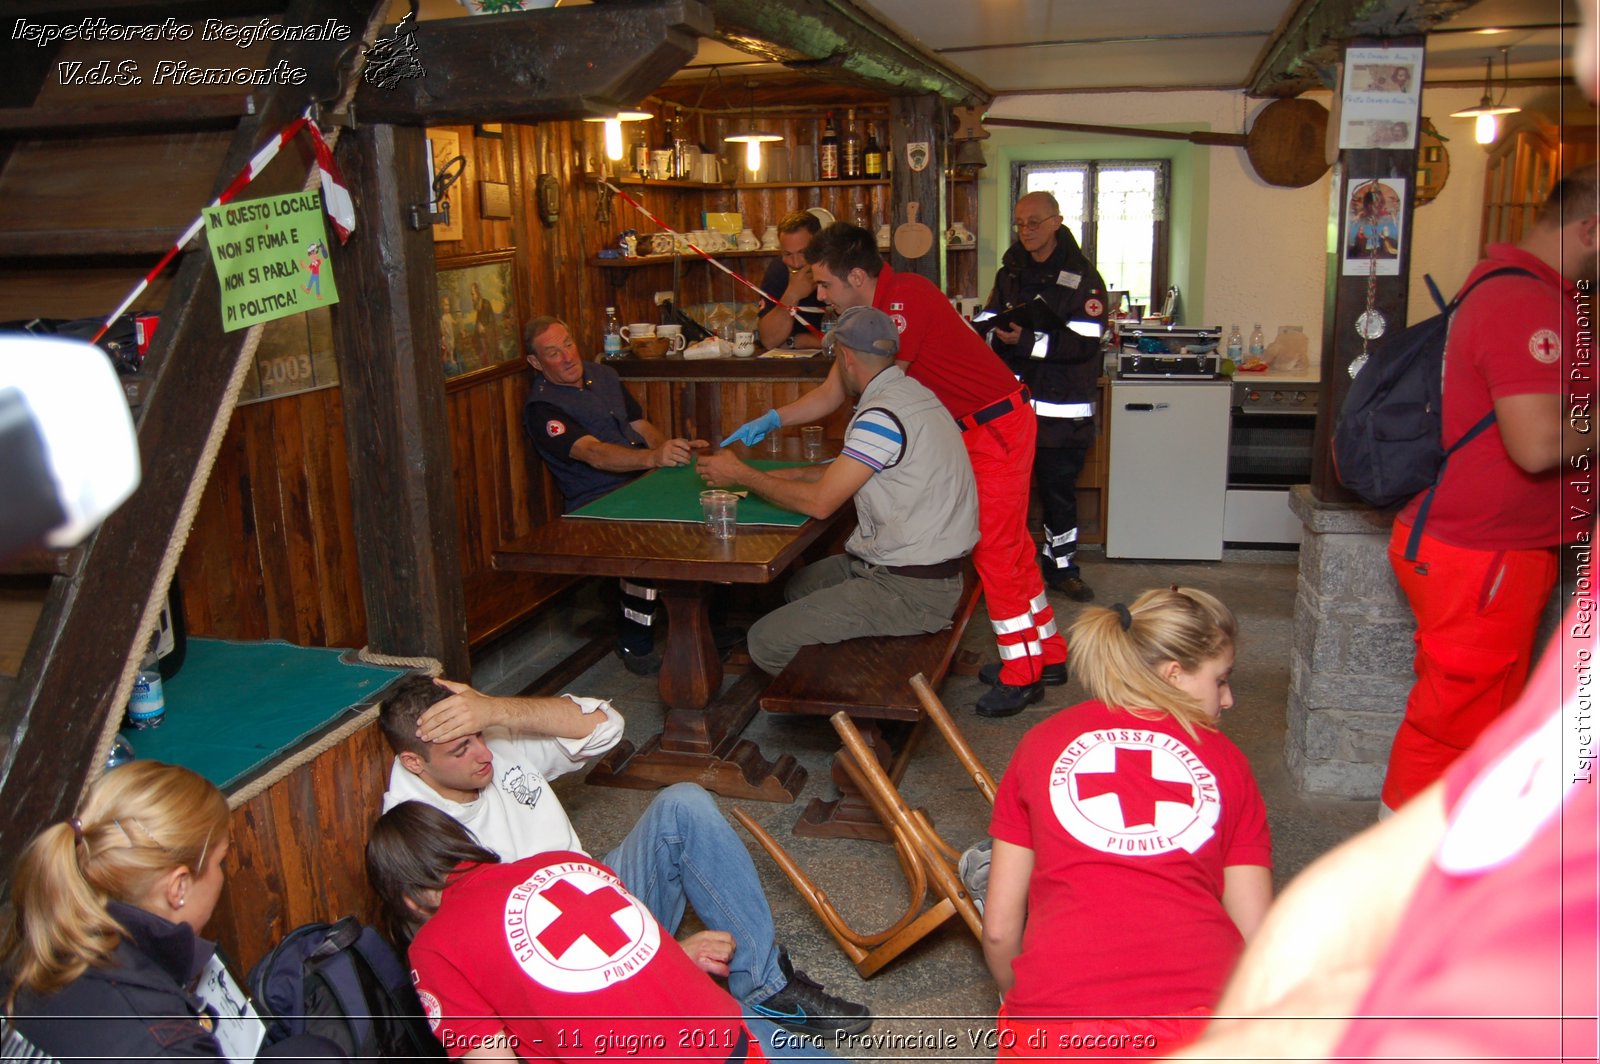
730	186
666	260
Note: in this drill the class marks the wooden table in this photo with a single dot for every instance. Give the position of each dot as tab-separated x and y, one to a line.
699	740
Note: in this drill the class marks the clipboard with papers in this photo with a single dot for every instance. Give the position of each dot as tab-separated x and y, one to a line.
1034	314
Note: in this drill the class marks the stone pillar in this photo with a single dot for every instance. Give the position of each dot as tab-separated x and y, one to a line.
1350	669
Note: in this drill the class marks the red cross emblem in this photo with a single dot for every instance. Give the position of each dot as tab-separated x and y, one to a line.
554	428
1093	307
1136	787
1545	346
583	916
1134	792
573	927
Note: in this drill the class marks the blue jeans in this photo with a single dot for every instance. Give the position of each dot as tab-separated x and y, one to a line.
684	850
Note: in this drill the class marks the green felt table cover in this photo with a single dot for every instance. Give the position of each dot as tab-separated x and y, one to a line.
233	707
673	494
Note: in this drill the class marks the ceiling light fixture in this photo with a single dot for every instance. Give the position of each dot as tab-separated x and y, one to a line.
613	132
752	137
1485	112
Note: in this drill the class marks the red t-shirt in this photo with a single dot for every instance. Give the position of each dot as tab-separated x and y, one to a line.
939	348
554	951
1501	937
1131	822
1511	336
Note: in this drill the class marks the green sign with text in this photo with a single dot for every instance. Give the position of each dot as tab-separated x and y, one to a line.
271	257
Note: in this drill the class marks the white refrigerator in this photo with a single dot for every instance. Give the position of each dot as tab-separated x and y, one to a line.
1169	469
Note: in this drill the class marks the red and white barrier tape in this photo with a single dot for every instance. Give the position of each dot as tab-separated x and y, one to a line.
792	311
335	199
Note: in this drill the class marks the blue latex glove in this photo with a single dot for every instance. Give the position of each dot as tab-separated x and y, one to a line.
753	432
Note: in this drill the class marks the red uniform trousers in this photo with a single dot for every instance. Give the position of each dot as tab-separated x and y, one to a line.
1476	612
1024	624
1025	1038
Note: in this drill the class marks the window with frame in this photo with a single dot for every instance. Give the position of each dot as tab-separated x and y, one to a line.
1118	211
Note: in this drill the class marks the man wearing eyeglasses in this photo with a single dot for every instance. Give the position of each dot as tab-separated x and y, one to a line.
1061	369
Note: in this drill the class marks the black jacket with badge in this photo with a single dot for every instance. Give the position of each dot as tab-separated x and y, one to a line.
1070	366
137	1009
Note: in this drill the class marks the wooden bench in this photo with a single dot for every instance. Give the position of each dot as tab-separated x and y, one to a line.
868	680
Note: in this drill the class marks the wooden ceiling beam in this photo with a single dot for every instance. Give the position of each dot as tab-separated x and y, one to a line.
174	114
837	41
539	66
1308	44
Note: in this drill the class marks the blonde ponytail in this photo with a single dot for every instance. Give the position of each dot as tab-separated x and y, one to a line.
137	823
1117	652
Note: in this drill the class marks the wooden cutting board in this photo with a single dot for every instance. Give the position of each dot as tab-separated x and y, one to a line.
913	239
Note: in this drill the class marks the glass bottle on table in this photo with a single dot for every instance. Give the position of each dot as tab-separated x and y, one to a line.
612	334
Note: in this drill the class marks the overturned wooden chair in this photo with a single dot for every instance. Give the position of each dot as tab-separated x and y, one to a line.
929	863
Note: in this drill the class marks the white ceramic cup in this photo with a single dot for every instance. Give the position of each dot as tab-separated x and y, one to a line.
673	335
661	164
638	330
744	344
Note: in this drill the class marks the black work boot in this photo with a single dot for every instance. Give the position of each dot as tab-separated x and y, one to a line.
802	1005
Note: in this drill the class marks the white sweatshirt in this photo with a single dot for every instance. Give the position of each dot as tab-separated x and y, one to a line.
517	814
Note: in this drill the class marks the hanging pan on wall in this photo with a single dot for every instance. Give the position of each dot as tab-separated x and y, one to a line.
1285	143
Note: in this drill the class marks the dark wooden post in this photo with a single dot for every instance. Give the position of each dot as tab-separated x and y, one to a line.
1346	297
392	389
915	120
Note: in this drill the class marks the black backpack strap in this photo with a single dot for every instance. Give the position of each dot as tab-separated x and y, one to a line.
1414	541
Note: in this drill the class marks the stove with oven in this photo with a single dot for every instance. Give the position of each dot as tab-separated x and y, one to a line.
1272	438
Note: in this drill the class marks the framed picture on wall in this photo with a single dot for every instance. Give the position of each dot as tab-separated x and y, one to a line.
478	322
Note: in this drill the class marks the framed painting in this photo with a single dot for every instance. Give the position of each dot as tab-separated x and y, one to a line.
478	322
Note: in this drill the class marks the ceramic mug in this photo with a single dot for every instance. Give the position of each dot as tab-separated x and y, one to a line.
638	330
769	238
661	243
661	164
673	335
748	241
744	344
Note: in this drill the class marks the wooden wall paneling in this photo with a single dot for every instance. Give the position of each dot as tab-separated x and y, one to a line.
297	853
300	539
266	507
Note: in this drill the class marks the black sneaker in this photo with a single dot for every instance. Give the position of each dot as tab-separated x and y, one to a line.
646	664
802	1005
1050	675
1006	700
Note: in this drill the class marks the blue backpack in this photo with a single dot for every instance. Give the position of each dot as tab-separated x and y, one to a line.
1387	444
343	982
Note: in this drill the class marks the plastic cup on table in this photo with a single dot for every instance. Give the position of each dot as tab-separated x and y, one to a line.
773	444
721	511
811	443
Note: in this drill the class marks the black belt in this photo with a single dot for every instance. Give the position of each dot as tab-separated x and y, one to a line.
936	571
1018	398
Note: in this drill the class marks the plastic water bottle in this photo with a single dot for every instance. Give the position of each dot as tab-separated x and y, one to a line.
1236	345
147	707
613	334
1258	342
121	753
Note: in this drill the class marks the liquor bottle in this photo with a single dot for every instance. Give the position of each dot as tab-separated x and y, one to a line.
851	149
613	334
872	158
1258	342
1236	345
147	706
641	153
680	151
828	152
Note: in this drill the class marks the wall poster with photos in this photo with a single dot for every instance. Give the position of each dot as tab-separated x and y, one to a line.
477	307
